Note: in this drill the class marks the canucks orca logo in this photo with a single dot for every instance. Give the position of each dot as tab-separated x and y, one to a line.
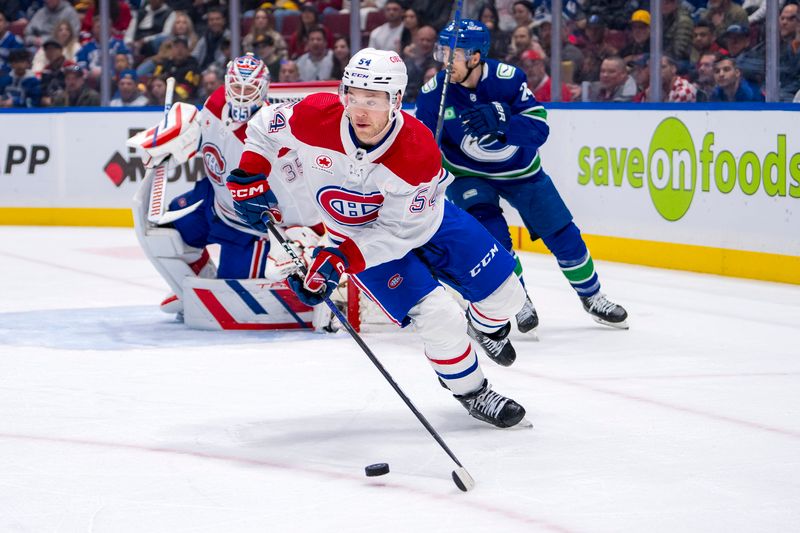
214	162
350	208
487	148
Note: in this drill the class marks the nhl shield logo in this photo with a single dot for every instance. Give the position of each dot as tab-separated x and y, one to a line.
350	208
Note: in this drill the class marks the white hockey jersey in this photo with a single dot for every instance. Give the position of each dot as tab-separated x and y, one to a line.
221	148
385	200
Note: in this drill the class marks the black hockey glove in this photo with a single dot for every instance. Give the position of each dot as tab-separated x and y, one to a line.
487	119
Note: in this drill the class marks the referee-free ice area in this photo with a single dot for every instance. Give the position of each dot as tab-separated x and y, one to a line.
115	418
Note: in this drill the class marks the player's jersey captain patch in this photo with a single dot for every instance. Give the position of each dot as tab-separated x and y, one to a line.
350	208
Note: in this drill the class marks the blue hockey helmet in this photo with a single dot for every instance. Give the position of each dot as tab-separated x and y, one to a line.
473	36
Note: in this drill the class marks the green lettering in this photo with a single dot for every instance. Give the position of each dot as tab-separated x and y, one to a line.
726	181
584	176
600	171
794	168
618	165
749	187
706	157
636	168
778	162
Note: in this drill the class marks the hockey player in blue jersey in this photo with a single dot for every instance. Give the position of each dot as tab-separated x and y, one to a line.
492	130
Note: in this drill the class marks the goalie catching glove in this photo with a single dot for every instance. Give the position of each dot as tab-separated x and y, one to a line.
487	119
176	138
252	199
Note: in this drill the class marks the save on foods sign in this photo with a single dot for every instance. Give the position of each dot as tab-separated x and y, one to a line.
673	168
723	180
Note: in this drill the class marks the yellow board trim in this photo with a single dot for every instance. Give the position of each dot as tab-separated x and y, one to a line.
705	259
722	261
65	216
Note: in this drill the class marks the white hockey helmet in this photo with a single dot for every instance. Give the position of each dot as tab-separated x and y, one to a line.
246	84
376	70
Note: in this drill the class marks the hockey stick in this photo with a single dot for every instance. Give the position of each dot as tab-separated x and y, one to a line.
460	475
158	189
449	71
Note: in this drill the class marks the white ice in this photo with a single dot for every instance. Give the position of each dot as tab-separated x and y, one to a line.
115	418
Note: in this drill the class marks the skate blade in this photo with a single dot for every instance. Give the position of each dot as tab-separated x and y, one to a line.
617	325
522	424
533	335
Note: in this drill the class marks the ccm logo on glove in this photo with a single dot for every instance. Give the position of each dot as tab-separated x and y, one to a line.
252	200
246	192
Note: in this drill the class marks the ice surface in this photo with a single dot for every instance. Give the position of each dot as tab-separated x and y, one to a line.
115	418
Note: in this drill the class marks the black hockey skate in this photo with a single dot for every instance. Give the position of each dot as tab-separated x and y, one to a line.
605	312
527	319
488	406
496	345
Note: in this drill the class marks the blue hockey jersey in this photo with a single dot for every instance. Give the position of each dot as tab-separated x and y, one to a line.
512	158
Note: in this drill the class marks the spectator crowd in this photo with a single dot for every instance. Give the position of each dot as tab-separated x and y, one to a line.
713	50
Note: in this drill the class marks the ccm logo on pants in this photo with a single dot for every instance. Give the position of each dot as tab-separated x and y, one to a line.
485	261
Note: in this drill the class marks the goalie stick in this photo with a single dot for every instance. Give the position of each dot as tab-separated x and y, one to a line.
448	71
158	188
460	476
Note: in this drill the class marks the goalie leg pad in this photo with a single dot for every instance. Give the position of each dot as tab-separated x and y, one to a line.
165	247
440	322
493	312
175	261
248	304
173	258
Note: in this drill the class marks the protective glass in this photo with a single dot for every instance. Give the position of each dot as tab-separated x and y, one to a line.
441	53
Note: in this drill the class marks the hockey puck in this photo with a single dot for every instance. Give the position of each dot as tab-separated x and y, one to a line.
378	469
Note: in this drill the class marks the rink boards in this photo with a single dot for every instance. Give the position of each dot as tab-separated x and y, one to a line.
692	188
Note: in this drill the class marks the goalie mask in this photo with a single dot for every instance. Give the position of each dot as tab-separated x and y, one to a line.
246	84
376	70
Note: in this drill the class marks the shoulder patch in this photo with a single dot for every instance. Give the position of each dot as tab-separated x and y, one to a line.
315	121
414	155
505	72
430	85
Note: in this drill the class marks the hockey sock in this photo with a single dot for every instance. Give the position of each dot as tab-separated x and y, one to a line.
461	373
518	268
574	260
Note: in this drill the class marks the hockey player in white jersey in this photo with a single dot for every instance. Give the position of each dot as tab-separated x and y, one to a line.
376	178
205	214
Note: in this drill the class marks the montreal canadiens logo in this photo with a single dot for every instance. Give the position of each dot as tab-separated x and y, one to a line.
214	163
350	208
324	161
394	281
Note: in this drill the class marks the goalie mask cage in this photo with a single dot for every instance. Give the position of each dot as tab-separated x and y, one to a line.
363	314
